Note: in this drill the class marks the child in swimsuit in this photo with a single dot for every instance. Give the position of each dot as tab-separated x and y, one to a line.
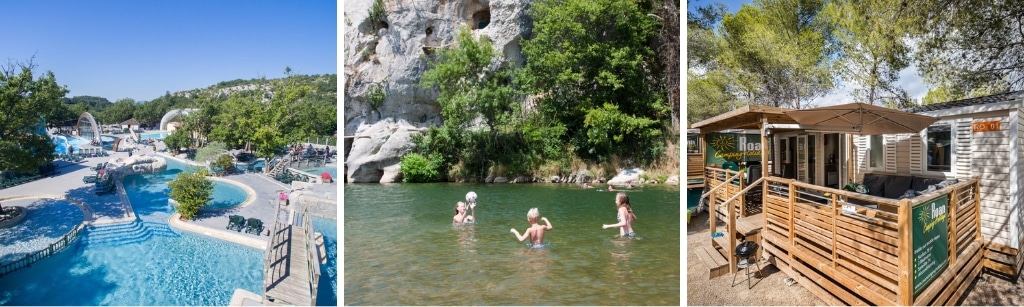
460	213
625	216
536	231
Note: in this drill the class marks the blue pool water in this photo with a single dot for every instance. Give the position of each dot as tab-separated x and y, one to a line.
327	290
333	170
153	135
62	142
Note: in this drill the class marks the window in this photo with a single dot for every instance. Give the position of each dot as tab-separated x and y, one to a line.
939	149
876	146
693	144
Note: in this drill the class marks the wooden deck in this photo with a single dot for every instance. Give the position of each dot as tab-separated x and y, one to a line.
287	280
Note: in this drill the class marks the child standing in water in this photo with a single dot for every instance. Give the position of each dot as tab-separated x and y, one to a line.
536	231
460	213
625	216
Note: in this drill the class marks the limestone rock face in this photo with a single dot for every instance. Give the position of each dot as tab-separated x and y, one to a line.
393	54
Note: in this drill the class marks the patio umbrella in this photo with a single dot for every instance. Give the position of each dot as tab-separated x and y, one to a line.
860	118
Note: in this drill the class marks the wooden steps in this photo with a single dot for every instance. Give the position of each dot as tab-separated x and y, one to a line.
714	260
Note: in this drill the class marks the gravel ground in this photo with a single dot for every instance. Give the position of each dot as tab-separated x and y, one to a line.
773	291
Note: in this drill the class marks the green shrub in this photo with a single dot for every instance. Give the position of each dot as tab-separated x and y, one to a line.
211	151
225	162
645	177
417	168
192	190
662	178
176	140
377	15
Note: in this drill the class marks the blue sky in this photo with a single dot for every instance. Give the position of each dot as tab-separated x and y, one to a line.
910	79
141	49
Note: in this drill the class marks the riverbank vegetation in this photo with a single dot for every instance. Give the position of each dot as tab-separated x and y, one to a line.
593	93
788	53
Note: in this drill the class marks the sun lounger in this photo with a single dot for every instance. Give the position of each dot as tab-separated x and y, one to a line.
235	222
254	225
90	179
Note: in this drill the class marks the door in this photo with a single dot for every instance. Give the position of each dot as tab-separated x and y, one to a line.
802	165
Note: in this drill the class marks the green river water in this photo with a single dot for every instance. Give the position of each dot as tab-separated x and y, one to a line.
400	247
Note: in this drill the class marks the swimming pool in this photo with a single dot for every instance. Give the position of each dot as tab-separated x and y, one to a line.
153	135
142	263
147	262
327	290
62	142
333	170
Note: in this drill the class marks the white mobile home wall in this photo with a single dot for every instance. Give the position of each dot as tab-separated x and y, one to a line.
996	157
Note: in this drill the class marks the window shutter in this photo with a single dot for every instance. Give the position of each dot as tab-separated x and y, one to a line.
961	153
917	154
889	142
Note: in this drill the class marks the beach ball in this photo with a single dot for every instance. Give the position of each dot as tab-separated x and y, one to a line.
471	197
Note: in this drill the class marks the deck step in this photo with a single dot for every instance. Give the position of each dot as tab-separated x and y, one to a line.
713	259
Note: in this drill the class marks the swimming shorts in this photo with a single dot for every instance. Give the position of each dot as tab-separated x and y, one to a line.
630	234
537	246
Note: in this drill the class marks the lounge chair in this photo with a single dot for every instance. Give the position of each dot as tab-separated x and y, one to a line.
254	225
90	179
235	222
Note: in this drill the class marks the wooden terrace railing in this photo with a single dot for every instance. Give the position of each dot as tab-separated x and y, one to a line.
855	249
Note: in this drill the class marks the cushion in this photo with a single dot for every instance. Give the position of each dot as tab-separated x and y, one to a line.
895	186
922	183
909	194
875	184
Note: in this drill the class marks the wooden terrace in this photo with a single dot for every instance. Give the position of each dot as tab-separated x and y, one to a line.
847	248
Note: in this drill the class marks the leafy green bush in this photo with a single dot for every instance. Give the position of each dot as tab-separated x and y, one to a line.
211	151
225	162
192	190
176	140
662	178
417	168
645	177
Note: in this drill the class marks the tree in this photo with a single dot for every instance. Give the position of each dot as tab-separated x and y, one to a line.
969	44
176	140
120	111
585	55
872	37
778	52
192	190
22	98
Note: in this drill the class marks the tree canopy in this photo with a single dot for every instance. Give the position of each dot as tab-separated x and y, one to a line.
24	102
787	52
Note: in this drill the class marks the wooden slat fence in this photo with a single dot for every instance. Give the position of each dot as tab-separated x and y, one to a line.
854	249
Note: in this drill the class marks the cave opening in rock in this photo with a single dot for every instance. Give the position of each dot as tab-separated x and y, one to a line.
430	30
481	19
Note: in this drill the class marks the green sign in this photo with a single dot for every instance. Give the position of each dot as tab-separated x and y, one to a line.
930	236
733	147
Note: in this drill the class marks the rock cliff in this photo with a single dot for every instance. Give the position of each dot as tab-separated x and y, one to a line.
392	54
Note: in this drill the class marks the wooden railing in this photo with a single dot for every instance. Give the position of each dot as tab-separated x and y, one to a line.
726	184
312	259
50	250
856	249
